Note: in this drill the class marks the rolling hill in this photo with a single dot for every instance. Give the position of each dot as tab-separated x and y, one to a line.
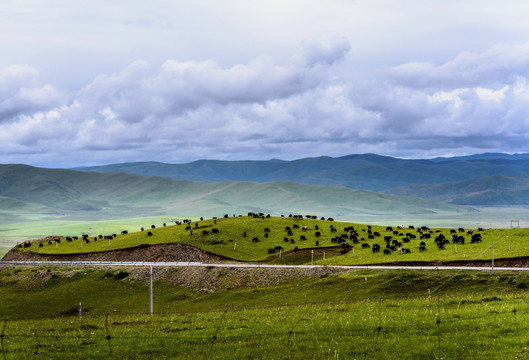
366	172
90	195
491	190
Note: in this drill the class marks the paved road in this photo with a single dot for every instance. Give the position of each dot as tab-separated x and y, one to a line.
199	264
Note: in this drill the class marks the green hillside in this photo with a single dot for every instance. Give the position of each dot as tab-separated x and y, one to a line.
366	171
290	314
94	196
486	191
245	238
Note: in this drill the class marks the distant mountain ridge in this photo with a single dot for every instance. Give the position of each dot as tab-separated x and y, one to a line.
485	156
26	190
487	191
361	171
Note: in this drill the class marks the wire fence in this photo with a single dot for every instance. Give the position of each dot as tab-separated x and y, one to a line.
444	325
475	322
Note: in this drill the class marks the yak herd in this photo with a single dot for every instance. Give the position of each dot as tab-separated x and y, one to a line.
85	238
394	240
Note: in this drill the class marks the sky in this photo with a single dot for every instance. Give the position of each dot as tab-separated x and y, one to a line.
99	82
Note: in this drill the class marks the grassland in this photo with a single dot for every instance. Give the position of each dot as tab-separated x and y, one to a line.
231	242
13	233
351	315
41	226
357	315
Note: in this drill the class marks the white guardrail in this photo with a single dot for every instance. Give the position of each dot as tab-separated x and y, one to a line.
231	265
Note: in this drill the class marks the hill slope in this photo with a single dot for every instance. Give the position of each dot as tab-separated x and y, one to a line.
98	195
490	190
367	171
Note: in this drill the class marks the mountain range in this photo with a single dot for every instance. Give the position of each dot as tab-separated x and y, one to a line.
482	179
26	191
354	185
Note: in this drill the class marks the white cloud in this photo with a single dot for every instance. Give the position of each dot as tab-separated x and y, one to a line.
21	93
266	108
168	110
324	53
498	65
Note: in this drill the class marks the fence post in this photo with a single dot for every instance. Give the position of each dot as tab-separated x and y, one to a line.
2	338
493	258
438	323
524	349
380	313
379	328
150	293
108	335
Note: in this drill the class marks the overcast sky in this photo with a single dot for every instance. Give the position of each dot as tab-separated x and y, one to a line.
107	81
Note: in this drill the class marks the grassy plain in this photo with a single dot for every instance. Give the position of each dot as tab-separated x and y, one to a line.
353	315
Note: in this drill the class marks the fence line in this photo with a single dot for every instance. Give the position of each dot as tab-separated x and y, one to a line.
221	335
409	295
2	335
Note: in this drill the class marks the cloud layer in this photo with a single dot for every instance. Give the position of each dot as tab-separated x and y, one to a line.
270	108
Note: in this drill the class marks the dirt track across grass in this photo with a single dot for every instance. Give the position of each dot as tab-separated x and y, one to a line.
181	252
162	252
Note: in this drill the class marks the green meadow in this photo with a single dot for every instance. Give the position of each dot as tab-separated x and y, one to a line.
235	239
13	233
349	315
218	313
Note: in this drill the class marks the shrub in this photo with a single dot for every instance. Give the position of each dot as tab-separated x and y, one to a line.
121	275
